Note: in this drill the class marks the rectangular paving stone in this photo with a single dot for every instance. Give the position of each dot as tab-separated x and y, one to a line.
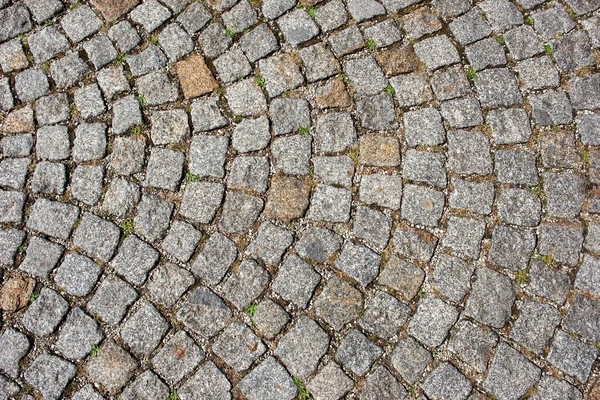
53	218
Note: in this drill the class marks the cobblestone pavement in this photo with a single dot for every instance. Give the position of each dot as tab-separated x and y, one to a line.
358	199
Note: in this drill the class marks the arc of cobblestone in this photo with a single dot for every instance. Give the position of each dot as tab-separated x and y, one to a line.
276	200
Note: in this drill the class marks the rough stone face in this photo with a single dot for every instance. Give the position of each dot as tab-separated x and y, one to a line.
372	226
492	298
215	258
245	284
77	274
358	262
432	321
78	335
168	283
422	205
330	204
208	379
238	346
382	385
111	300
147	385
511	247
204	313
281	74
269	318
562	243
15	293
382	190
41	257
318	244
402	276
269	380
113	367
510	374
181	240
134	259
472	344
338	303
302	347
410	359
572	356
195	77
357	353
50	375
383	315
398	198
436	52
240	211
145	328
535	326
14	347
178	357
296	281
451	276
15	20
46	312
288	198
447	381
97	237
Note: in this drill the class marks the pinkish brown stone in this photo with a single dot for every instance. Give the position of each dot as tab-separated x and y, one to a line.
19	121
288	198
332	95
15	293
195	77
113	9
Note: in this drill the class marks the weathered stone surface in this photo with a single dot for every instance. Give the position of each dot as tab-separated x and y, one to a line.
15	293
195	77
371	199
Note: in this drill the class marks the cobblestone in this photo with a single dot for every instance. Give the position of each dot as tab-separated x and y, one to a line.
359	198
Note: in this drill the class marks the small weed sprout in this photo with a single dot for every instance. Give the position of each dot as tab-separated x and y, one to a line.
500	39
251	310
303	392
304	131
522	277
229	32
191	177
390	91
546	259
353	154
312	11
549	50
120	59
33	297
371	45
585	155
128	226
173	395
260	81
537	190
472	73
529	21
344	78
95	350
137	130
